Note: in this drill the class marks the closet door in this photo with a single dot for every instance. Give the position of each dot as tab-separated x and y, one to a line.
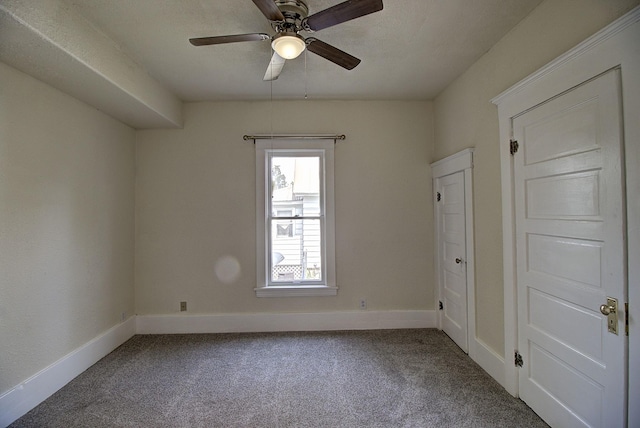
453	216
452	255
570	244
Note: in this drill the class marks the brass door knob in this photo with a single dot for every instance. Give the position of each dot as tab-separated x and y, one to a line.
607	309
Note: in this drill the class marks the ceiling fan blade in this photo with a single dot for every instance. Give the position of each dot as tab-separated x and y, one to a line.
217	40
346	11
332	53
275	67
269	9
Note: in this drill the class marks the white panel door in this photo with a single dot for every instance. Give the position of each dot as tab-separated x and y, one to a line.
451	257
570	255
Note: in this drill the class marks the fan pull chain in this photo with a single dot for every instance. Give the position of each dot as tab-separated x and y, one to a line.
271	102
305	74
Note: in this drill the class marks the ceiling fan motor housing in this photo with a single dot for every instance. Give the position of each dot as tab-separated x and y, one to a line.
298	7
294	12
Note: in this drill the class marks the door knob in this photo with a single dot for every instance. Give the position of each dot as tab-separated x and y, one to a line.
610	310
458	260
607	309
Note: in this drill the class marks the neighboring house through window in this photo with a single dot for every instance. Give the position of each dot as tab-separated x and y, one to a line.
295	218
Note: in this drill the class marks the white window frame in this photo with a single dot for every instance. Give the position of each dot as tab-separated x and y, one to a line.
264	150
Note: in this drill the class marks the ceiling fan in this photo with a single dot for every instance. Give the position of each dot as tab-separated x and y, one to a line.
290	17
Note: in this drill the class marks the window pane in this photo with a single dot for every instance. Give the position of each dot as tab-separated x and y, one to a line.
296	251
295	186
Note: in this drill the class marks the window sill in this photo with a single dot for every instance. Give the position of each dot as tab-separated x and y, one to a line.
296	291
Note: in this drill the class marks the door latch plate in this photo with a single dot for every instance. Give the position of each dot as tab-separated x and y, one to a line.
611	312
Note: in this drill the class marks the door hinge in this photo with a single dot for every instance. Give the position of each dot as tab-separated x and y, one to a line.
626	318
513	147
517	359
440	305
438	196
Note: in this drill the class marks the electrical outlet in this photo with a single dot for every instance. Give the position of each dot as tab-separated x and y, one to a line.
183	306
123	316
363	304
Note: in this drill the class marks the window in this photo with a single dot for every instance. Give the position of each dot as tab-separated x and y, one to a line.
294	218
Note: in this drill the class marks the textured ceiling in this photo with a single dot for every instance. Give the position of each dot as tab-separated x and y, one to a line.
412	49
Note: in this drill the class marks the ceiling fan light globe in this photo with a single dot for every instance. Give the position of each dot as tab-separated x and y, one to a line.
288	45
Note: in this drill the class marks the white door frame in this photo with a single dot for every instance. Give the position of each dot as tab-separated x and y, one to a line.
459	162
614	46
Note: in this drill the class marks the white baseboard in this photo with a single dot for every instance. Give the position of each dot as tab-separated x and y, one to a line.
489	360
28	394
269	322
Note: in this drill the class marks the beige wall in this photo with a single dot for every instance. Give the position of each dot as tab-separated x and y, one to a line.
67	199
67	218
195	203
464	117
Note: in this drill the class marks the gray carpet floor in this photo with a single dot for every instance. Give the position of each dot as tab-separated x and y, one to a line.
383	378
